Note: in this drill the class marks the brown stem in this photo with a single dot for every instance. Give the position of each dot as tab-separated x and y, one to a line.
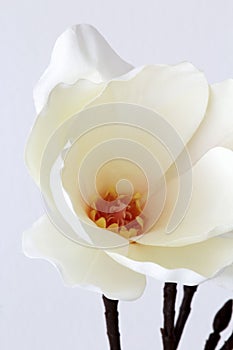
228	344
168	333
112	323
184	312
220	323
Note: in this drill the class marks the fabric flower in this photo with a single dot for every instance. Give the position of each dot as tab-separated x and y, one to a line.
135	167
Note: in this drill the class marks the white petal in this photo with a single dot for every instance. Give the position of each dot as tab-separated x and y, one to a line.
210	210
64	102
80	52
178	93
217	127
89	268
228	142
189	265
225	278
100	140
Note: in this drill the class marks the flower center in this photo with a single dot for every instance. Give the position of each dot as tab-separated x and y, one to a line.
118	213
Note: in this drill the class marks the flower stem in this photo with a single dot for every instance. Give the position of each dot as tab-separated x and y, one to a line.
221	321
228	344
168	331
112	323
184	312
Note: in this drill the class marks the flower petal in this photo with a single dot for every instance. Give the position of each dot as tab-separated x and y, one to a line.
189	265
225	278
217	127
178	93
210	209
64	101
100	140
90	268
80	52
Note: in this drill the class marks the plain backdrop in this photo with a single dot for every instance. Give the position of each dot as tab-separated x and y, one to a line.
36	311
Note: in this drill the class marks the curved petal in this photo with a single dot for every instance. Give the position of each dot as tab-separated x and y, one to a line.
210	210
228	142
225	278
178	93
217	127
64	101
80	52
188	265
89	268
100	140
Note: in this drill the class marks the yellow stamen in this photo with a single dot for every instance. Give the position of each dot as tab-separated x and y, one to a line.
132	232
140	221
113	227
93	214
137	195
111	192
101	222
138	205
124	232
119	213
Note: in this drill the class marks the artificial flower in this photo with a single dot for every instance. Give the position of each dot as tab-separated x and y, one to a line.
135	166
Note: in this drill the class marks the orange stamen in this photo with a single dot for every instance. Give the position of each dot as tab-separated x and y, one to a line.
120	214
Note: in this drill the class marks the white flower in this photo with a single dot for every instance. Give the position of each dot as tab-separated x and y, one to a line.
155	143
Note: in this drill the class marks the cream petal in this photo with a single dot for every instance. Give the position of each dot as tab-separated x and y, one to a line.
80	52
228	142
210	209
99	140
217	127
178	93
76	226
225	278
188	265
64	101
89	268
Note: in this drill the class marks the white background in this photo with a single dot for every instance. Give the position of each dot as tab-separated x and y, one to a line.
36	311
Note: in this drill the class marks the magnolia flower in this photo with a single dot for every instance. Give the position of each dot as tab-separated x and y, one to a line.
135	167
